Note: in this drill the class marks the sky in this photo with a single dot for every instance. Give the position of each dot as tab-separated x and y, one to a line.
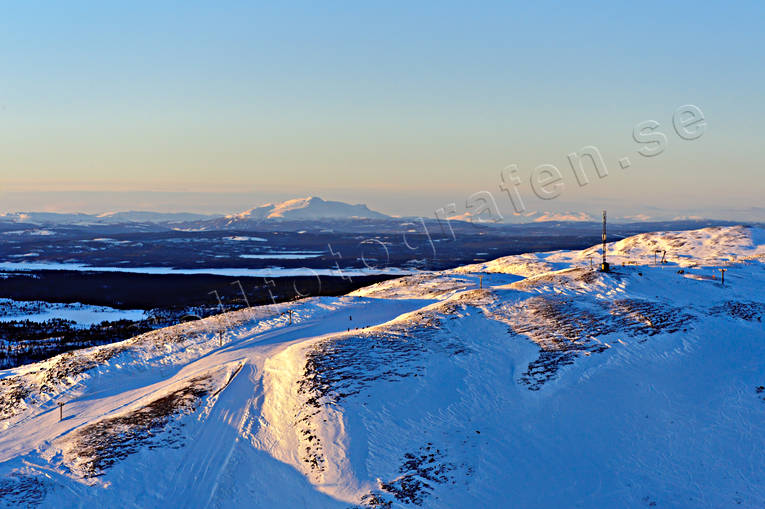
404	106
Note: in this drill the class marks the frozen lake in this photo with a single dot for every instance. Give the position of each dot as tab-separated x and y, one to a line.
234	272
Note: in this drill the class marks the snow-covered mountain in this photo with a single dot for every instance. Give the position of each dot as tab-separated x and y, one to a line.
528	381
107	218
302	210
47	218
314	213
565	216
311	208
539	217
524	217
311	213
138	216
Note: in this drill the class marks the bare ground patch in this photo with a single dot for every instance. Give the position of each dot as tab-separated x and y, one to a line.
13	393
750	311
22	491
565	328
420	473
98	446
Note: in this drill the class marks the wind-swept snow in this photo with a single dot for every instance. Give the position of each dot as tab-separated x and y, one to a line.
528	381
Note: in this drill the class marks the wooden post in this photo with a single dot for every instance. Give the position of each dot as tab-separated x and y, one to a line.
480	282
60	411
220	338
722	276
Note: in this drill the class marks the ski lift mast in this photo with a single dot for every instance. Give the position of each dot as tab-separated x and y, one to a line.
604	266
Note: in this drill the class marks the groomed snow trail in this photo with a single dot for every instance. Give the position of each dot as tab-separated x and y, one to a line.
551	386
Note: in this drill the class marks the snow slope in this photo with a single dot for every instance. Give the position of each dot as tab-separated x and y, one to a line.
529	381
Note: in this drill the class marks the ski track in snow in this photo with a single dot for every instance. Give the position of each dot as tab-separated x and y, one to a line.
551	386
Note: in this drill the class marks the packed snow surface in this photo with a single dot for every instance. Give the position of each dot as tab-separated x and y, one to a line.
528	381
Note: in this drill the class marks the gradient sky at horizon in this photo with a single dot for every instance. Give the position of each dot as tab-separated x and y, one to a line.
403	106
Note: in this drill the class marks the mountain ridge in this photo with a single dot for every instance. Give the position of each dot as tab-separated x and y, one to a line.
315	210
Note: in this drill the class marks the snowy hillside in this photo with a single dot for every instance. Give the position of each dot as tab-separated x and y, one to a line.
528	381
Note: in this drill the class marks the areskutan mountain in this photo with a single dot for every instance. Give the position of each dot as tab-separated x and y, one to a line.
310	213
310	209
528	381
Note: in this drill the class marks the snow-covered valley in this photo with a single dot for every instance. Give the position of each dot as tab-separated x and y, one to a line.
527	381
81	314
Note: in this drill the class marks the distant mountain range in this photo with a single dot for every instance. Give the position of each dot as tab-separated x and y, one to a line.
294	215
301	209
527	217
108	218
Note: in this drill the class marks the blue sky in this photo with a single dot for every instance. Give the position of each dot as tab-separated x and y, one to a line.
405	107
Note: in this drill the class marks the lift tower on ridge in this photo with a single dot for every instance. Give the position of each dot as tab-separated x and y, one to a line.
604	266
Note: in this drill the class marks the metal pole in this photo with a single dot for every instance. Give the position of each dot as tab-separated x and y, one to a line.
604	239
604	265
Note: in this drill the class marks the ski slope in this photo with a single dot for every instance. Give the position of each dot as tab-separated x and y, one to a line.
527	381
